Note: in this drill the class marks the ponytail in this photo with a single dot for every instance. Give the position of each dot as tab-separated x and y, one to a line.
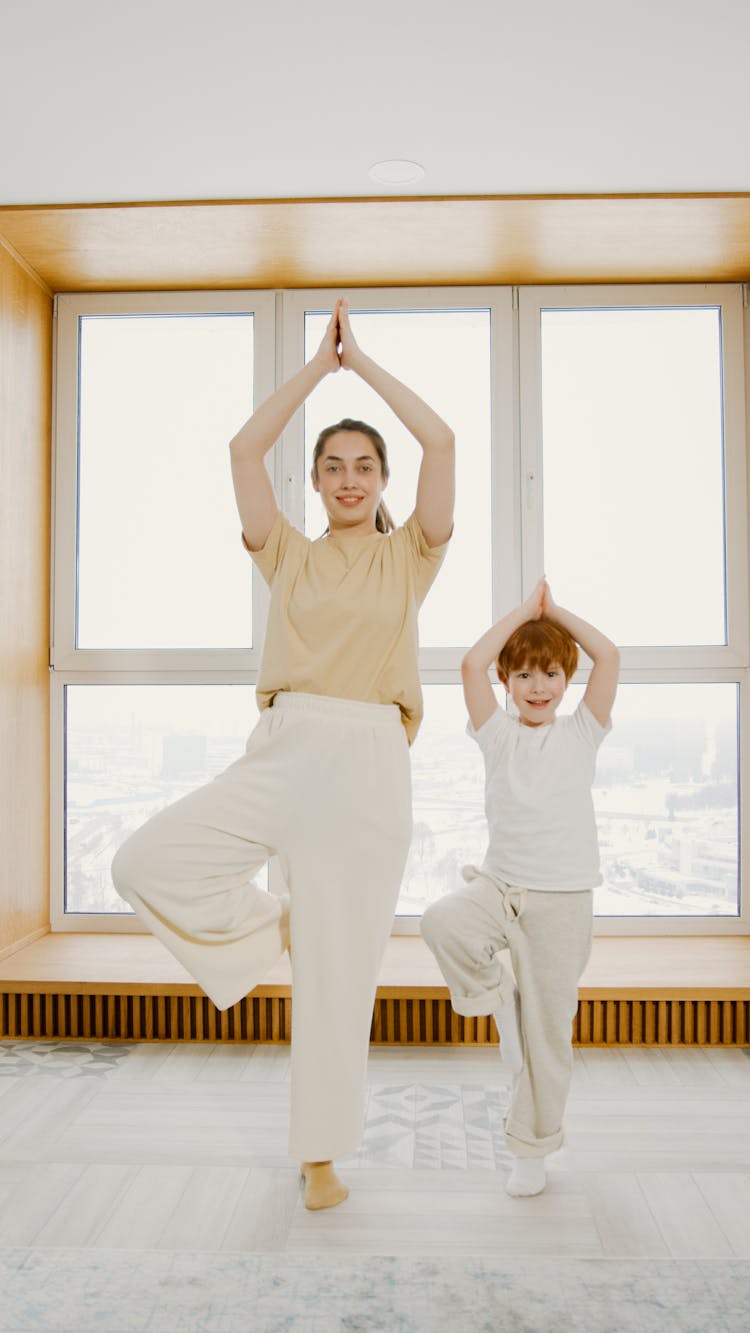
383	520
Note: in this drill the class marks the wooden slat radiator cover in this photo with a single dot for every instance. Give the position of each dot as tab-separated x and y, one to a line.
406	1020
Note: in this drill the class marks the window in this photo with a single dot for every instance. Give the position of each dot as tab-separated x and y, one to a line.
130	750
151	389
157	615
160	396
445	355
632	469
633	428
600	436
666	801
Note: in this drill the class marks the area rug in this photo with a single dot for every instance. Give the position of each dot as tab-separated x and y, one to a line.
75	1291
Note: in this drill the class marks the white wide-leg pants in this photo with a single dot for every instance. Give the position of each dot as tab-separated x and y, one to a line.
326	785
548	937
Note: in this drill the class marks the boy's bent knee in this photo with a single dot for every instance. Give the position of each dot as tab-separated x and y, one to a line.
439	920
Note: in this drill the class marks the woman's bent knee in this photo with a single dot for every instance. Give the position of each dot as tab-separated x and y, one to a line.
124	869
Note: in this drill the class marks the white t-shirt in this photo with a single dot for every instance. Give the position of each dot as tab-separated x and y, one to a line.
538	800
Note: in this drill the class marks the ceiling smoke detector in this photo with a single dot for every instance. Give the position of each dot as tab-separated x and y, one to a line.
396	171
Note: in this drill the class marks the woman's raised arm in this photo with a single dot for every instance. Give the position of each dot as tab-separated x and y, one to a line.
253	491
436	485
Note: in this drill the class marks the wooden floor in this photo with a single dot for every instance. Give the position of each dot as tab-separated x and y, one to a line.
184	1147
635	991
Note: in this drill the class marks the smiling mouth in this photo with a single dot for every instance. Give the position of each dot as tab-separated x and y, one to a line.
350	499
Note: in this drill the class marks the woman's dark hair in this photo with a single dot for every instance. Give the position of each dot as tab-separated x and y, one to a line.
383	520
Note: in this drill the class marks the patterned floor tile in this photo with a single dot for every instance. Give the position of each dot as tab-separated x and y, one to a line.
451	1127
61	1059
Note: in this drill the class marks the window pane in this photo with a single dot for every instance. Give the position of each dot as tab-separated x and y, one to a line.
130	750
160	563
666	799
450	830
444	355
633	471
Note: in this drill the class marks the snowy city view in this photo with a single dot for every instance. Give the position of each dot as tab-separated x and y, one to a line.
665	795
665	799
626	392
131	750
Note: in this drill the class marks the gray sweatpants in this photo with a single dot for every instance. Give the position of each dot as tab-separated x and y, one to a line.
548	937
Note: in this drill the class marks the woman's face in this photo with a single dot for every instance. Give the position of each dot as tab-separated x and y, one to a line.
349	480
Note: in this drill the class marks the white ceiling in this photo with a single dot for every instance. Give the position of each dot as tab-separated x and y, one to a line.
236	99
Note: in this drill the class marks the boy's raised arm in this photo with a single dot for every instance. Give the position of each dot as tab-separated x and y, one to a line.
602	685
478	692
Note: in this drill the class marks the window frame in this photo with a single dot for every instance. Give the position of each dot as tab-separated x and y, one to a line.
532	300
70	309
505	534
516	518
663	664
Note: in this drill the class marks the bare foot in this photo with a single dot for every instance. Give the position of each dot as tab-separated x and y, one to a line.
323	1189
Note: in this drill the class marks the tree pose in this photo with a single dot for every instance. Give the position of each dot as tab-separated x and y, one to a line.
533	893
325	780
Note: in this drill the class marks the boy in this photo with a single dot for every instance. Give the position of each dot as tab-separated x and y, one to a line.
533	893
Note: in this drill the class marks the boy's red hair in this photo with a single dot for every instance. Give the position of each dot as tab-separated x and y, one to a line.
538	643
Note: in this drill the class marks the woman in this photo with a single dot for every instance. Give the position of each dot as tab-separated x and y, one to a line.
325	780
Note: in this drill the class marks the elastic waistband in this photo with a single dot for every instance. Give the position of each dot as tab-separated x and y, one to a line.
344	710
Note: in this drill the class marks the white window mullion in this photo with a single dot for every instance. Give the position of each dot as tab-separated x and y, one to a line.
530	493
65	483
506	461
266	347
289	469
735	339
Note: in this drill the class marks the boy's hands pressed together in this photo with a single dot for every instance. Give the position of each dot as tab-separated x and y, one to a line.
535	605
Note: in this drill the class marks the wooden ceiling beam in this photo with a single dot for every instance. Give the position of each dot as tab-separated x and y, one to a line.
383	242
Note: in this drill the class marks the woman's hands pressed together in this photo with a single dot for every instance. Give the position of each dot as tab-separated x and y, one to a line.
328	355
351	353
338	346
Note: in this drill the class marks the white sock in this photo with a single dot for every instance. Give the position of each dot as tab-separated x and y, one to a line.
528	1176
508	1020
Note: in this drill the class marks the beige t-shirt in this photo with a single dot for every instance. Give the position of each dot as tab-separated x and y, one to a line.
343	615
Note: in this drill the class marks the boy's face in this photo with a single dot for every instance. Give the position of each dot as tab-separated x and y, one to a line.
537	693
